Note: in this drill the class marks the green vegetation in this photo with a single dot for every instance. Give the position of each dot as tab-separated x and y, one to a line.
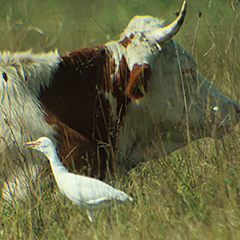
192	194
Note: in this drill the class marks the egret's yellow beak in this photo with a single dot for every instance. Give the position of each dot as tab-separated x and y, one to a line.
30	144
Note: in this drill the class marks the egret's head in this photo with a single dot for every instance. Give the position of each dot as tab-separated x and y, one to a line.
42	144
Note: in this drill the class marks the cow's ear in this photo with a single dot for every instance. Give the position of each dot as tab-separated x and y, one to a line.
137	82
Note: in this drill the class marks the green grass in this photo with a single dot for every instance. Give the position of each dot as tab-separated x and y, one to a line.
192	194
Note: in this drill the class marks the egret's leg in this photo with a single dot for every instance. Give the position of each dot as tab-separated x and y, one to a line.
90	216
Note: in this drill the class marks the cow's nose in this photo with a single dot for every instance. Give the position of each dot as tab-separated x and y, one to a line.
237	109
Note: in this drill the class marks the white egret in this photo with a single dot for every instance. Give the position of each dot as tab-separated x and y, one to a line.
89	193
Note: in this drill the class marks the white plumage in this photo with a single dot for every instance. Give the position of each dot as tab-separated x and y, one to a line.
89	193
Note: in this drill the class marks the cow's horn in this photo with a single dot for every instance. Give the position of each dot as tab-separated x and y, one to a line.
166	33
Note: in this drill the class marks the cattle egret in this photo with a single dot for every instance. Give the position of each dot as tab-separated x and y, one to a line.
89	193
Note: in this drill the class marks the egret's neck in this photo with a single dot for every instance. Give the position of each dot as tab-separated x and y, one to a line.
55	163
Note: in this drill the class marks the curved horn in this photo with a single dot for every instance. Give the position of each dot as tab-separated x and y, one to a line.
166	33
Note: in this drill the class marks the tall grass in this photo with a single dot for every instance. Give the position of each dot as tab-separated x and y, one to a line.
194	193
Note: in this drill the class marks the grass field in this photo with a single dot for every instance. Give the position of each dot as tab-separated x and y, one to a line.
194	193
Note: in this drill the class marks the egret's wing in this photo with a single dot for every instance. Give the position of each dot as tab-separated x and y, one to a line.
96	201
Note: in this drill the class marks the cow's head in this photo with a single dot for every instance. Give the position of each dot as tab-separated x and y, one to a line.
171	102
